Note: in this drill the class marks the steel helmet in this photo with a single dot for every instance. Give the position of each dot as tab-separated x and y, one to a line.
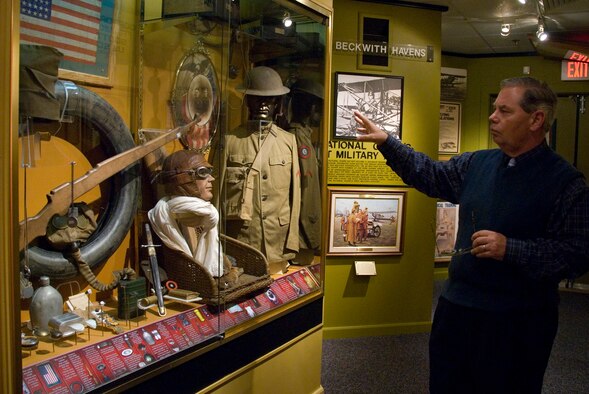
263	81
308	86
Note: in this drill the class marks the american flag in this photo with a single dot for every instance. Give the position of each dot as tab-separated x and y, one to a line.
71	26
48	374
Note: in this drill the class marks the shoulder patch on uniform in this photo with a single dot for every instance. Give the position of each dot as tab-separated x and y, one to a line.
304	151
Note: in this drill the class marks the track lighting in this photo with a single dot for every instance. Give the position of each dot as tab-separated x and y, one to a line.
286	21
540	33
505	29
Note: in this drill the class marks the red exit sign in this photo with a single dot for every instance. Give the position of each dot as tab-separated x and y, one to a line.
574	71
575	67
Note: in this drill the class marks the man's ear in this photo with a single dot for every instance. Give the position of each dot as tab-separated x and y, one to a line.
537	120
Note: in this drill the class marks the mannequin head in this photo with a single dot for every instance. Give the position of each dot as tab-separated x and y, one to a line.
262	107
187	173
263	90
307	102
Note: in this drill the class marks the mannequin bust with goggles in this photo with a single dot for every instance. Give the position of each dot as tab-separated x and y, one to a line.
187	173
185	220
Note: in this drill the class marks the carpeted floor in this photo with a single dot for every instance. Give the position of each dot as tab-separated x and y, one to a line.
399	364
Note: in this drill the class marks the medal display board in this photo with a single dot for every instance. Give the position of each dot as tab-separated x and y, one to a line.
110	358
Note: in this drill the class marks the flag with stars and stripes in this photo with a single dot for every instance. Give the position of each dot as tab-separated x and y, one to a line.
80	29
48	374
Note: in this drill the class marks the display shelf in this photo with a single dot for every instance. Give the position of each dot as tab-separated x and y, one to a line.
86	361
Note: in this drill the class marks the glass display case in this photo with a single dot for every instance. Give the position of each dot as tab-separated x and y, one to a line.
185	189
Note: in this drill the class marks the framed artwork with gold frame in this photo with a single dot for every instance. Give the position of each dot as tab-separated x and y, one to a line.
366	221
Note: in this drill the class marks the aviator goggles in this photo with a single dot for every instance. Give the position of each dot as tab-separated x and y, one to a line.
184	176
200	172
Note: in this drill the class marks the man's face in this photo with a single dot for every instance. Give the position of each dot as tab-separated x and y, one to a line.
514	130
261	107
199	97
202	186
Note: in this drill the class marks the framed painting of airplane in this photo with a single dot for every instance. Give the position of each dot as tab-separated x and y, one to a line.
379	97
366	222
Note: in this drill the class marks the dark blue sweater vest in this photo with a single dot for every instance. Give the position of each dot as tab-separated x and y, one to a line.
516	202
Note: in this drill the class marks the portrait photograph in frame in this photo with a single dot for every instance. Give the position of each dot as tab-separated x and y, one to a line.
446	230
379	97
195	96
450	118
367	221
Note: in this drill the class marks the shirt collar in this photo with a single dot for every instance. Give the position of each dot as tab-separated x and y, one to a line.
528	155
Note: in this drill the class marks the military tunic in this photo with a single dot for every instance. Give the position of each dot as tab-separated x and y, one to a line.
275	202
310	220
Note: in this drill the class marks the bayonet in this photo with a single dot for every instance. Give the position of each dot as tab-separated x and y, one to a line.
155	272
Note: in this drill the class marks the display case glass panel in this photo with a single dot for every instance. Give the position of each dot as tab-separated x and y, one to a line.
192	172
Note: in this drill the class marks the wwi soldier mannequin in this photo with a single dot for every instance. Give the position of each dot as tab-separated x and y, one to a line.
306	107
260	179
185	220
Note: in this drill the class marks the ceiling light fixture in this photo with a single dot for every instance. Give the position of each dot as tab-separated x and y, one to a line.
286	21
522	1
505	29
541	33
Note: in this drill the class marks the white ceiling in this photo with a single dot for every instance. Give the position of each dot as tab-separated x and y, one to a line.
472	27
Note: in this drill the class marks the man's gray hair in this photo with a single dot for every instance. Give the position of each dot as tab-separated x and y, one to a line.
538	96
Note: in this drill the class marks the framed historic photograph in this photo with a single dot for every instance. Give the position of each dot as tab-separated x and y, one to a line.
449	137
379	97
367	221
453	84
446	230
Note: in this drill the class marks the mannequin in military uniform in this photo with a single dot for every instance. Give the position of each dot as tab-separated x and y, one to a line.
306	105
185	220
260	175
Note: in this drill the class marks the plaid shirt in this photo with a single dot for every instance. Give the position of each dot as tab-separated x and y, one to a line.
562	253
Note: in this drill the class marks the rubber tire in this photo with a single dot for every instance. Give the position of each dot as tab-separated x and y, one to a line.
115	222
376	231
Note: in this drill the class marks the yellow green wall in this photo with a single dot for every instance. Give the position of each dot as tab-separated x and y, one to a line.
399	298
484	76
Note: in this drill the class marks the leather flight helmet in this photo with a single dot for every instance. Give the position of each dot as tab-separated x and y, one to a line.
178	169
263	81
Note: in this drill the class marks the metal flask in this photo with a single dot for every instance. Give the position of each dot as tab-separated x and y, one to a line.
46	303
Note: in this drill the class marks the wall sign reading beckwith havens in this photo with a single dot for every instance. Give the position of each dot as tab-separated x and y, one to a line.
366	221
379	97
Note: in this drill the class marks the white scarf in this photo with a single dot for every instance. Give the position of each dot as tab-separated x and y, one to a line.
170	213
